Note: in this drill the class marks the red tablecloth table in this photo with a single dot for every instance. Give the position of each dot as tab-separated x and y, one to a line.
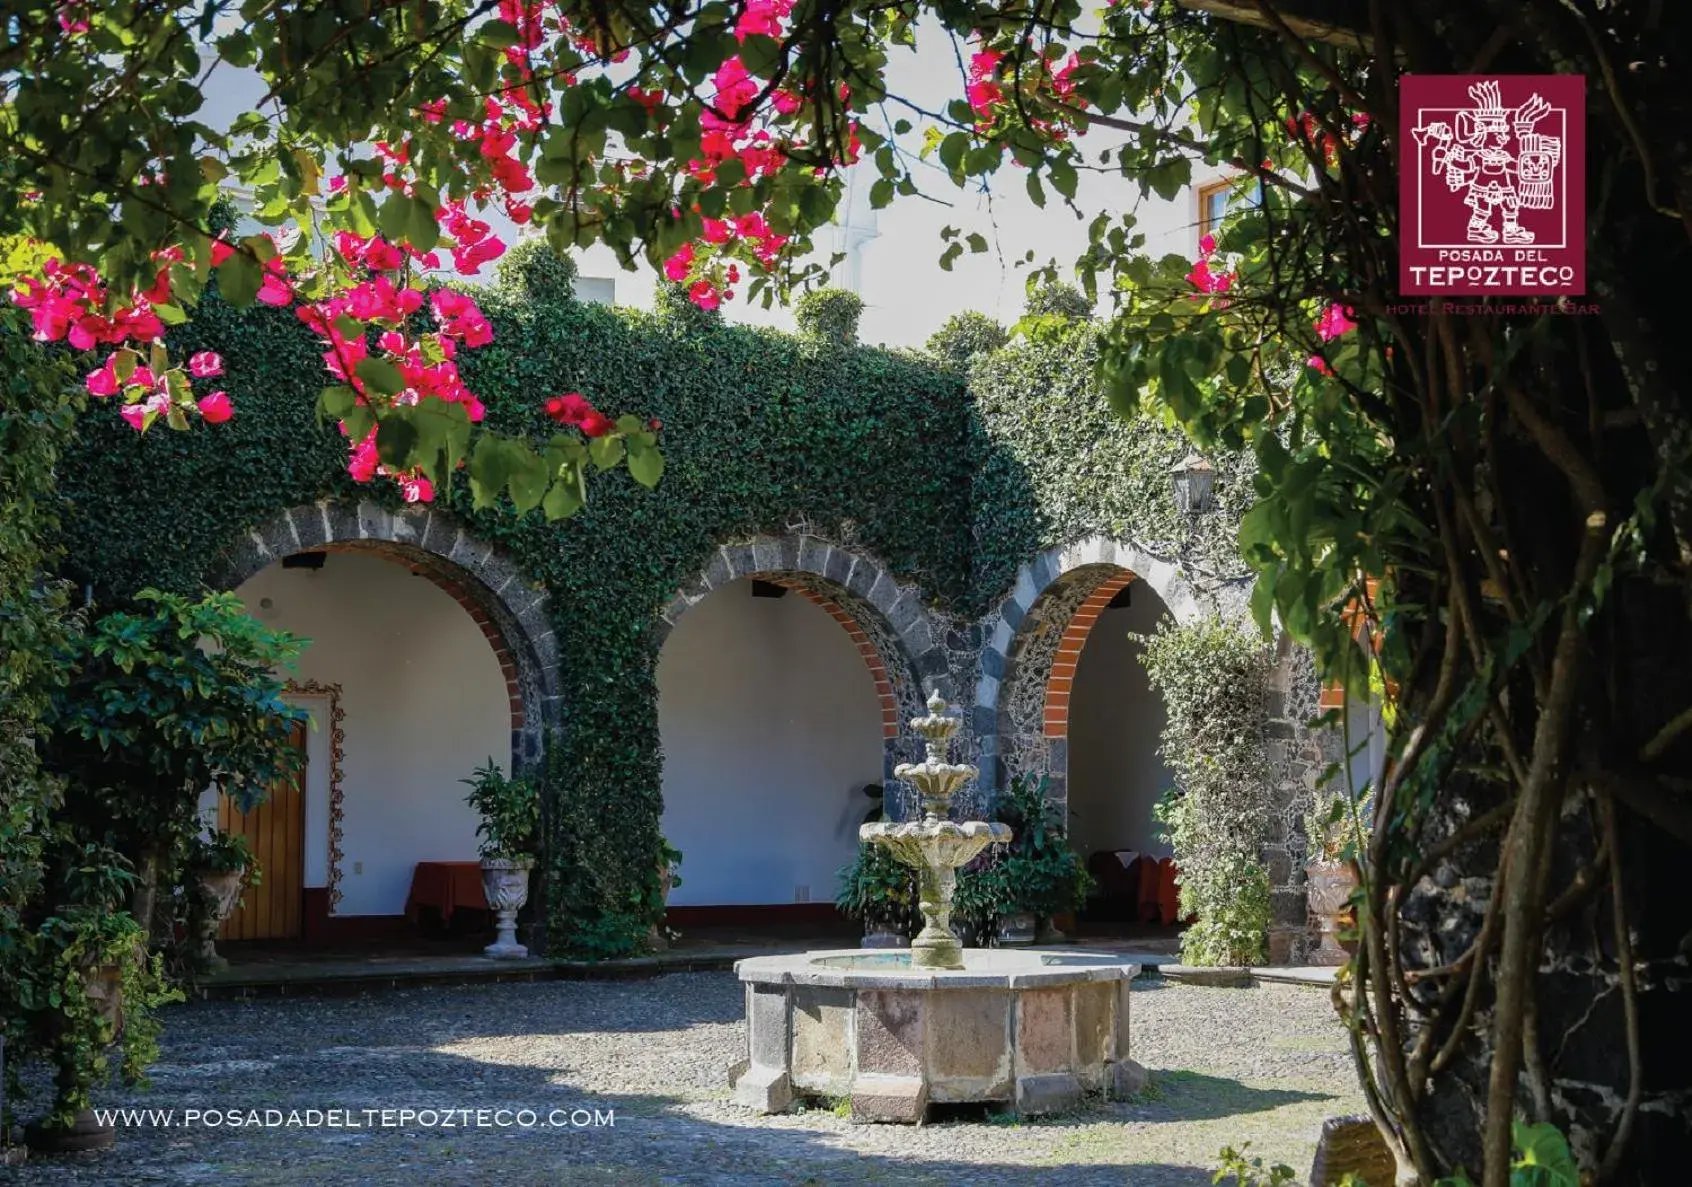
445	886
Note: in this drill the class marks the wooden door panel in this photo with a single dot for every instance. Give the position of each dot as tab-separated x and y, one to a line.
275	831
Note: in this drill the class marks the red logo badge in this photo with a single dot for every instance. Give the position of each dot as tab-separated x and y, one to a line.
1492	185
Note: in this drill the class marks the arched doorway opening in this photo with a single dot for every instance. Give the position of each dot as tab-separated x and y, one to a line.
1115	725
1071	702
424	660
775	712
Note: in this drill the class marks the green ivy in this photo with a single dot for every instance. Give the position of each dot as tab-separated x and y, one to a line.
1213	679
37	421
950	488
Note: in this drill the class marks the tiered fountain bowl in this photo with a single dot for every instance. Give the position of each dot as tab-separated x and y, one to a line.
1030	1031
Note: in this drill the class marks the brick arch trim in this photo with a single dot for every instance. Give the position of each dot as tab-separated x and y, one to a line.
886	620
1055	720
434	544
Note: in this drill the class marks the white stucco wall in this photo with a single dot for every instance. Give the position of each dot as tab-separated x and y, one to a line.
770	726
424	703
1115	719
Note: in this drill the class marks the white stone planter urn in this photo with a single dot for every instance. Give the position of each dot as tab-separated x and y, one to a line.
505	884
223	890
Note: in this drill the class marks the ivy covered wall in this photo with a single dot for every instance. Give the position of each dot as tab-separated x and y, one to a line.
954	488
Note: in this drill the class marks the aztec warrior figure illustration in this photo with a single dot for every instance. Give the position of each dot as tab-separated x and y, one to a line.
1476	157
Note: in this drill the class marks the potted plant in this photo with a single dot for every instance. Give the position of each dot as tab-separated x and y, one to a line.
1038	875
510	836
881	893
88	984
1334	830
222	866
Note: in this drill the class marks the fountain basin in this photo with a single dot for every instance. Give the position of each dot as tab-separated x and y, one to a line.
1031	1031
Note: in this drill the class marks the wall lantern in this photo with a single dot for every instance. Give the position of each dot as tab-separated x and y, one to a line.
1194	480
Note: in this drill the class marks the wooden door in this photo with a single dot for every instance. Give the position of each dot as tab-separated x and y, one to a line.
275	831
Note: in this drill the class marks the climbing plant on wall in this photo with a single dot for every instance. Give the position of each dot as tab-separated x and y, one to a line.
1213	679
883	450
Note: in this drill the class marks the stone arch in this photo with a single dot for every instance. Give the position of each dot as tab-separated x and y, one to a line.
1037	632
435	544
885	619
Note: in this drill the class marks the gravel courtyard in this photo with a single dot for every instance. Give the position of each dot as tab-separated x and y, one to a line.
1263	1065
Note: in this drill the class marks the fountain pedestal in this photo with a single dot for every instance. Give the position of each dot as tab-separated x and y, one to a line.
1030	1032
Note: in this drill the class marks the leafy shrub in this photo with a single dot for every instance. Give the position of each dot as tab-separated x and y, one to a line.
879	890
830	314
164	700
510	810
1037	871
1213	679
223	853
963	336
1056	299
536	272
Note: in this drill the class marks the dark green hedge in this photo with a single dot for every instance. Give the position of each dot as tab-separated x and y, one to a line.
759	428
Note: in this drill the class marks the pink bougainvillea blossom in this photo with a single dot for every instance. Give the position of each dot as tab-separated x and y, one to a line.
216	408
205	364
983	89
142	413
1335	320
1207	281
678	266
1319	364
575	410
104	382
460	318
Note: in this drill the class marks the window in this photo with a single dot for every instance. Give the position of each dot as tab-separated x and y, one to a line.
1216	198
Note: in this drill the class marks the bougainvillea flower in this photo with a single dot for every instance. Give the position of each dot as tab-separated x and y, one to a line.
216	407
704	295
1206	281
206	364
679	265
460	318
1335	320
1319	364
104	382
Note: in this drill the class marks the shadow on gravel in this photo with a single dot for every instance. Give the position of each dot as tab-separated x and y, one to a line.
1193	1096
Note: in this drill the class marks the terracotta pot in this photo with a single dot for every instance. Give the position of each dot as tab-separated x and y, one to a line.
1330	886
505	884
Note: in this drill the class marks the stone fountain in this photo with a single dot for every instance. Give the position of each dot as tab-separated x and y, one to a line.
1029	1031
936	845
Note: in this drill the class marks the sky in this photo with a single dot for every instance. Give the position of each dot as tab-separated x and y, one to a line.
906	293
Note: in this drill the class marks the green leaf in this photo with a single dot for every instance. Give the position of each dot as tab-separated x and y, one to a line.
562	499
605	451
396	438
395	216
238	279
1544	1148
422	230
381	375
335	401
528	477
646	464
